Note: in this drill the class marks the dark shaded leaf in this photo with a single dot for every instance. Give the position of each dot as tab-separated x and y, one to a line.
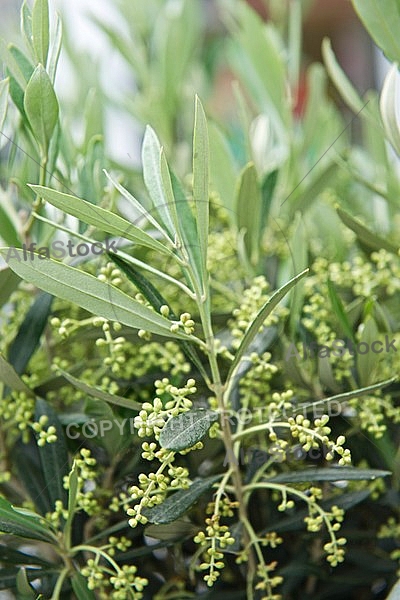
80	587
28	337
27	461
54	456
8	283
179	502
329	474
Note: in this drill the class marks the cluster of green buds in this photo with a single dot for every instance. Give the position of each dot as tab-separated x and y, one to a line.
153	487
87	474
44	436
255	383
333	519
254	297
310	435
185	321
372	411
17	414
267	582
58	515
109	273
169	402
213	541
121	583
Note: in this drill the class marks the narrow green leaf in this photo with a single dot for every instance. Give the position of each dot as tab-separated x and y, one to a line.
365	236
267	192
96	392
151	158
382	20
222	168
28	337
88	292
12	65
299	251
177	504
40	30
72	501
54	456
367	362
9	377
388	106
41	106
55	50
248	210
4	91
24	589
347	395
8	283
80	587
200	180
329	474
102	219
9	221
168	193
256	51
17	92
340	79
340	311
263	313
185	430
26	25
187	228
22	524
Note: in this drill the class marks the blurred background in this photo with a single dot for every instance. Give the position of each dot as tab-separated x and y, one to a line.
361	60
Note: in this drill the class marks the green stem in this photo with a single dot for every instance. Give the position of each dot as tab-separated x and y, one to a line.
219	390
37	202
59	584
98	552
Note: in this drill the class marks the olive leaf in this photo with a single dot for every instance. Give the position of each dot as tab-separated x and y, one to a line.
185	430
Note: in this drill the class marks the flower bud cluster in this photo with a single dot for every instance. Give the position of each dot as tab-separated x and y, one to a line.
214	539
255	384
153	416
87	476
311	435
45	436
123	584
254	298
268	582
185	322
